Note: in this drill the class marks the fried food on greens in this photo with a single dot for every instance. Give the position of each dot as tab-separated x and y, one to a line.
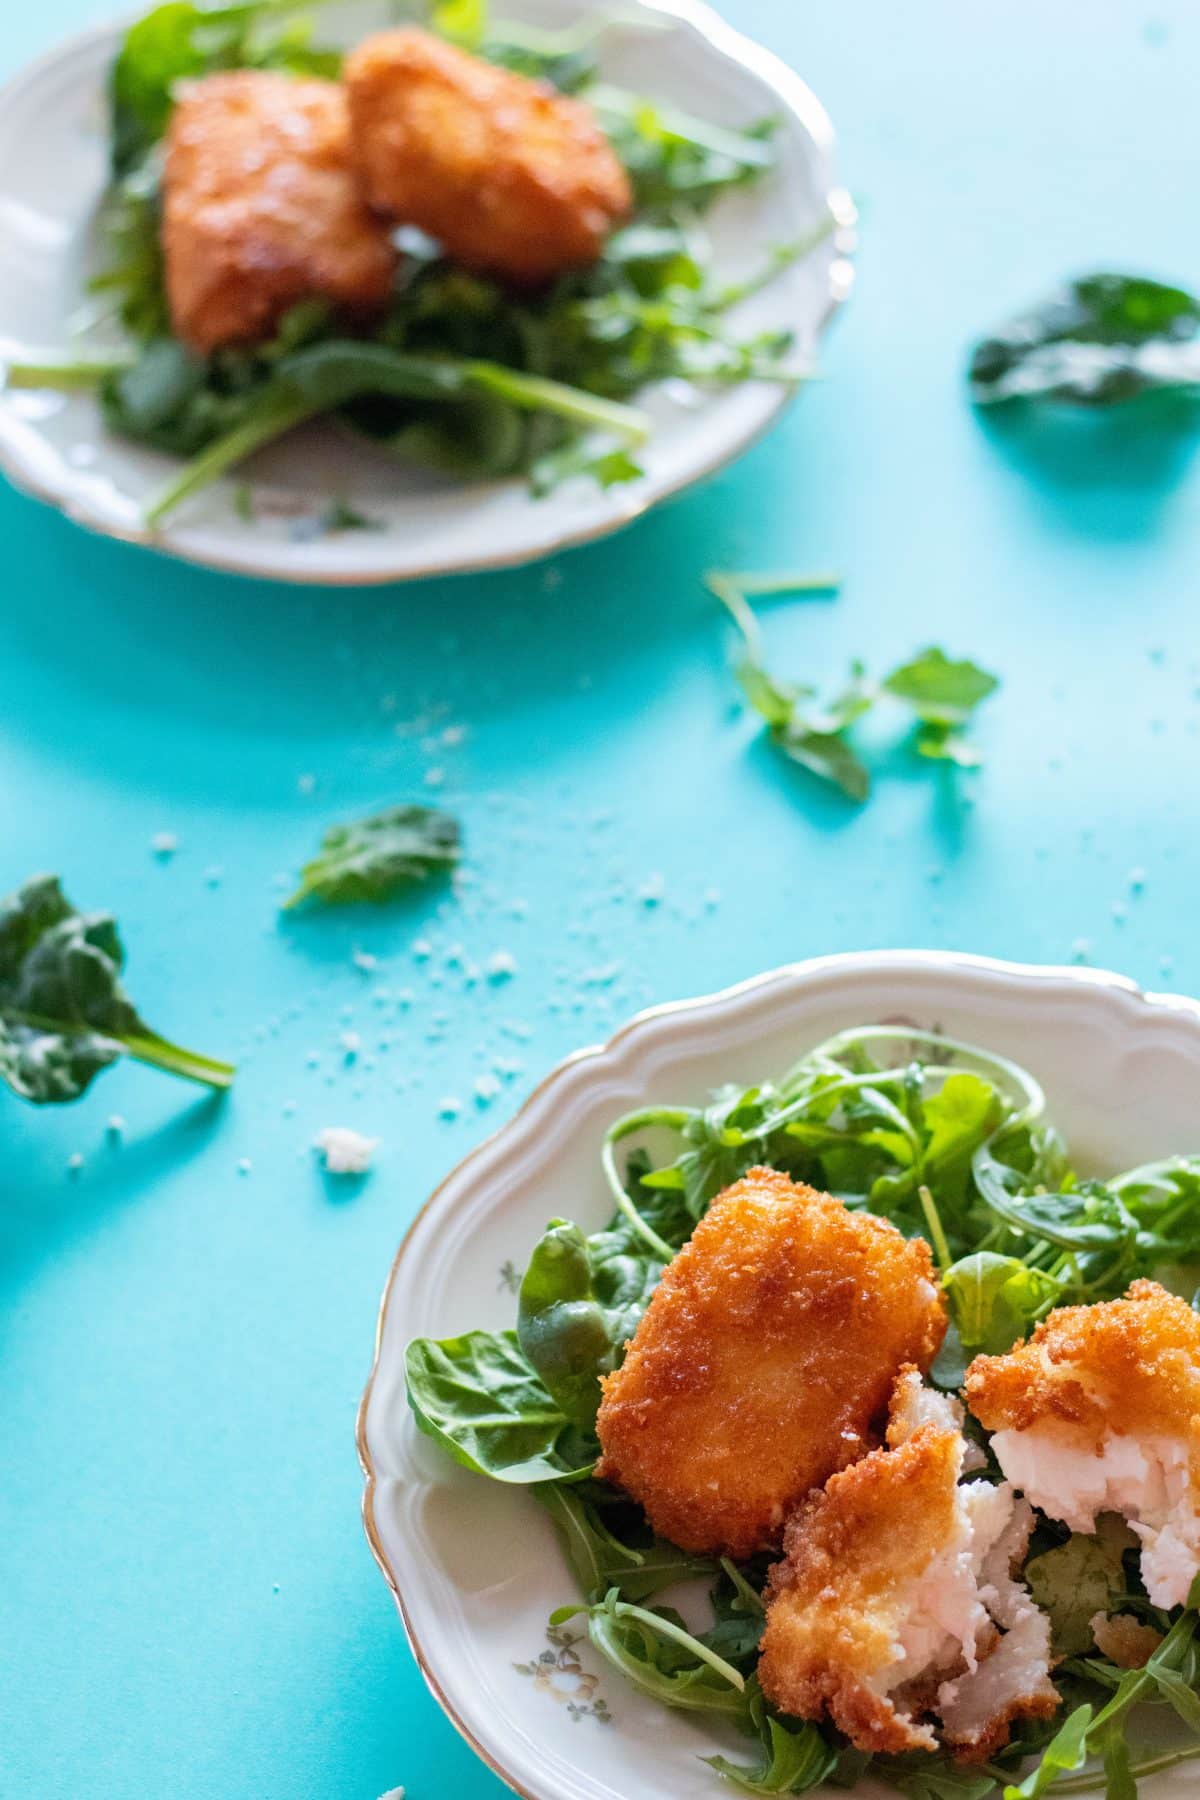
1100	1412
895	1604
261	209
763	1361
512	178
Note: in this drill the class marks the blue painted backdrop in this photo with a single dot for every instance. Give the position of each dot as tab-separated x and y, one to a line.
186	1321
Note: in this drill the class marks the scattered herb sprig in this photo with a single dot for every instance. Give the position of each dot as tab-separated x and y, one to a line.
373	858
941	692
64	1015
949	1142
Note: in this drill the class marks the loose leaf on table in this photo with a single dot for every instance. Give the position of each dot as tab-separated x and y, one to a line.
371	858
1078	1579
943	694
560	1325
1100	339
64	1014
478	1397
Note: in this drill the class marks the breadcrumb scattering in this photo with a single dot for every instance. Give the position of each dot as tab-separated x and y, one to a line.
895	1607
513	178
764	1361
261	210
1100	1412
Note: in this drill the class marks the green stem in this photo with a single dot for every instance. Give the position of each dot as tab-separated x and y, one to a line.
157	1053
267	424
941	1244
65	376
1091	1782
674	1118
624	1609
536	393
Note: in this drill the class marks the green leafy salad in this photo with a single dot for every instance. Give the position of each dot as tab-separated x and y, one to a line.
949	1143
461	373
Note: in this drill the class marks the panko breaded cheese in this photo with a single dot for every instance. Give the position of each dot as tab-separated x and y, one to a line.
513	178
894	1609
261	209
763	1361
1100	1412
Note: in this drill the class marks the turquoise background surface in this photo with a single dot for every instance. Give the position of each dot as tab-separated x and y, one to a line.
187	1603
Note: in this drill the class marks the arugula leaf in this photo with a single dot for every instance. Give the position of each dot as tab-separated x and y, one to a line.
478	1397
1066	1752
601	1560
64	1015
1099	340
664	1660
560	1325
1079	1579
996	1300
792	1757
373	857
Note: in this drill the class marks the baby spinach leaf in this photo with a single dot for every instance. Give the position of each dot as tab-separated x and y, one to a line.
64	1014
1100	339
478	1397
560	1325
371	858
1078	1579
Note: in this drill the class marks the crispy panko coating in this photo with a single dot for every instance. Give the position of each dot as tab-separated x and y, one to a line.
261	209
763	1361
895	1599
1100	1412
513	179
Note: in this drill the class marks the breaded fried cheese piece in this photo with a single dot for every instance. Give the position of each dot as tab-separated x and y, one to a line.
513	178
765	1357
261	210
1100	1412
895	1610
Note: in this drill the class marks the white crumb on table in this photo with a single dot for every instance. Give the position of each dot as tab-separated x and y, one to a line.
346	1152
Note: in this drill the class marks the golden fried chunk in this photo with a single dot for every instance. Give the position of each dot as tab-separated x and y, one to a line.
763	1361
1100	1412
895	1599
512	178
260	209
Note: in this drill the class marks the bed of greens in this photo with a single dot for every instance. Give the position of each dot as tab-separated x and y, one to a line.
951	1143
460	374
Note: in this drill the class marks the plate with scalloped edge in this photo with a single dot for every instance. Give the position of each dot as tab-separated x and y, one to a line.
473	1564
53	153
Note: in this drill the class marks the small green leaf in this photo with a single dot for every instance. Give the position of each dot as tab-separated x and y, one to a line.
939	690
1065	1753
374	857
560	1325
826	754
1079	1579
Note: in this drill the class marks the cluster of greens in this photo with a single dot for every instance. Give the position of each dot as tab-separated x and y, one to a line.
1101	339
460	374
64	1015
942	694
950	1143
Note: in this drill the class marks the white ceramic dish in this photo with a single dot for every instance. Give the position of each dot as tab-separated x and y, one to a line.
473	1564
52	172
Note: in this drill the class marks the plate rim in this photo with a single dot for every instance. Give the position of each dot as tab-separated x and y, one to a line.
954	961
19	460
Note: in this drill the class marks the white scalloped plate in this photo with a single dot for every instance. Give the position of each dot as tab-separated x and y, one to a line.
52	172
473	1564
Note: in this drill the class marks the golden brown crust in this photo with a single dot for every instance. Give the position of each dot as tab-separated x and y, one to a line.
513	178
1129	1365
261	210
764	1361
850	1555
1043	1703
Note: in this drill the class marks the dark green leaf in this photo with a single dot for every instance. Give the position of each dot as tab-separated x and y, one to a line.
827	754
374	857
560	1325
600	1560
64	1014
1100	339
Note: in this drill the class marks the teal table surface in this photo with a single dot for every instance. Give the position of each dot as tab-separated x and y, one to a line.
187	1603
